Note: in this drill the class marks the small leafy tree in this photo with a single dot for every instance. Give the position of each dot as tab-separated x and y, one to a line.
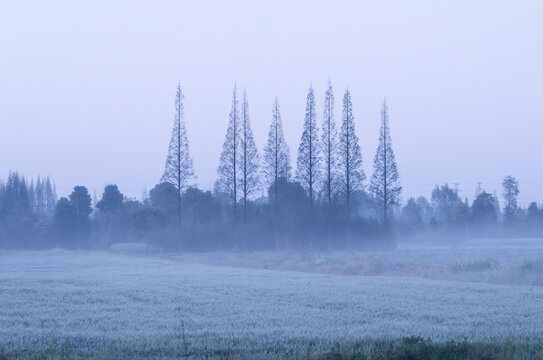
81	203
483	210
510	195
112	199
445	200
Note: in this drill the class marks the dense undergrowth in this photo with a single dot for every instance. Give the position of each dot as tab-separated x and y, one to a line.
407	348
416	348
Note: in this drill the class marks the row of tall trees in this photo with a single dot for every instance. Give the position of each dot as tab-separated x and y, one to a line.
326	204
329	166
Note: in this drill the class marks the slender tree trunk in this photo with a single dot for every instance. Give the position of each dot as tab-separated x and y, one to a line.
348	189
385	187
179	175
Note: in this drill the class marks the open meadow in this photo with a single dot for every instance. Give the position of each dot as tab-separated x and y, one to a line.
100	305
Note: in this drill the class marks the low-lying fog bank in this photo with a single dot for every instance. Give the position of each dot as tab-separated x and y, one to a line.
510	261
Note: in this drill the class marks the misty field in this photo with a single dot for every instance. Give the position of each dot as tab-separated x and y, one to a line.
114	306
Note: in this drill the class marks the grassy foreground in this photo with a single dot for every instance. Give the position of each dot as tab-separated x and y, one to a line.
408	348
66	305
415	348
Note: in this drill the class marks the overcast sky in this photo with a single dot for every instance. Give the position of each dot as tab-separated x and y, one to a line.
87	87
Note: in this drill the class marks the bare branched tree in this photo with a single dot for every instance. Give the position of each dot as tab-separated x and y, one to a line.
179	170
307	169
350	157
249	162
330	147
385	186
276	164
229	164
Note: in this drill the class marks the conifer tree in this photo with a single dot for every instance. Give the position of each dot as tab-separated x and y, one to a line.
385	186
307	169
40	197
249	162
32	194
229	164
276	167
178	170
276	164
330	146
49	197
350	157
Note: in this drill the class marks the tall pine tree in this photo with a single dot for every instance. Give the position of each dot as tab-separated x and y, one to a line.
249	161
276	164
276	167
50	196
350	158
308	170
229	164
385	186
330	146
178	170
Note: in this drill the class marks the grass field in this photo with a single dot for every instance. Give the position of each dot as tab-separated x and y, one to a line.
70	305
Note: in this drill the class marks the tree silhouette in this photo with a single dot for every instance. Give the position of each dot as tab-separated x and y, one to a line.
385	185
276	153
229	163
112	199
330	146
307	169
80	201
277	166
249	162
179	170
350	157
510	194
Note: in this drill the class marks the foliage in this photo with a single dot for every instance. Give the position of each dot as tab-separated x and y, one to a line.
112	199
17	225
510	195
445	200
483	211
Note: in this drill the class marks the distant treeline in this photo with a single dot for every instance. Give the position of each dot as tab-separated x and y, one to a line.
257	203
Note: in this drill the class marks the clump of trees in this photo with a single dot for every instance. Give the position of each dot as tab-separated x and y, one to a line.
449	217
26	210
256	202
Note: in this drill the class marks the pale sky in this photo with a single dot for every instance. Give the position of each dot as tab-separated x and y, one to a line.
87	88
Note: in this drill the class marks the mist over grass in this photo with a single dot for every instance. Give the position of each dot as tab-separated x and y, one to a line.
232	305
506	261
